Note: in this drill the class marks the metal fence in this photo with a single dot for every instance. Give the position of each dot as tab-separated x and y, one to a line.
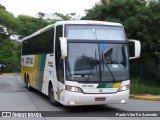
145	74
11	69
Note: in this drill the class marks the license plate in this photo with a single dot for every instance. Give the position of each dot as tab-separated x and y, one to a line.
100	99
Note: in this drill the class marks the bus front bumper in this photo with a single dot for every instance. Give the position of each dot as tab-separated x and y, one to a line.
76	99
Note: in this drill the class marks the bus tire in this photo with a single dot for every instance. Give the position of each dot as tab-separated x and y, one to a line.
28	86
51	96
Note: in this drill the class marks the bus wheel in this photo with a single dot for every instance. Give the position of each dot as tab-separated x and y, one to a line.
51	96
28	86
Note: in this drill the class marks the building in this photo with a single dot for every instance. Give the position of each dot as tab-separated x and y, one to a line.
49	16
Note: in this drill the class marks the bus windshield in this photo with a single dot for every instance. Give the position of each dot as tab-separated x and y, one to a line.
95	32
95	62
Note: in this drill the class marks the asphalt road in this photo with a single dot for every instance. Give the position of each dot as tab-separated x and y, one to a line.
15	97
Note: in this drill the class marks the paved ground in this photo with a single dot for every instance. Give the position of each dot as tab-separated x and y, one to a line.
15	97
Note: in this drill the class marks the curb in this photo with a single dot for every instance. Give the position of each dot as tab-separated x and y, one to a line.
9	74
5	74
138	97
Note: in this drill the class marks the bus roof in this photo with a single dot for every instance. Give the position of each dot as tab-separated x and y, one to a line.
89	22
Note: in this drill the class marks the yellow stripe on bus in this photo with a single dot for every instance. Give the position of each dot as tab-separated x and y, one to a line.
116	85
34	72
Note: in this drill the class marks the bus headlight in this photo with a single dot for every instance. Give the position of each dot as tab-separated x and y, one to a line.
73	89
124	87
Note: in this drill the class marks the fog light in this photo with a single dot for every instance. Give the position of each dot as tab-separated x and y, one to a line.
123	101
72	103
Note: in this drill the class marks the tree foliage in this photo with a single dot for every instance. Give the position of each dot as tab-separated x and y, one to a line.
10	55
69	16
141	21
7	22
8	26
28	25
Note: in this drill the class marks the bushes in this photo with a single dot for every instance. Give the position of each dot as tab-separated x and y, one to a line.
10	55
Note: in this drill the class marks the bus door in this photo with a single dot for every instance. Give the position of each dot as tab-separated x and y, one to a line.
59	62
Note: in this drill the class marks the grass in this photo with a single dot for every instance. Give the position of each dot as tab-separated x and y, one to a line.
137	88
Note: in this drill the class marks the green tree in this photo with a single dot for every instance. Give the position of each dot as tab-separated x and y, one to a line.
9	50
8	23
29	25
69	16
10	55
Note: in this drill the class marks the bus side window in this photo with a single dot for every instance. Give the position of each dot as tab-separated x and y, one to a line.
39	44
59	61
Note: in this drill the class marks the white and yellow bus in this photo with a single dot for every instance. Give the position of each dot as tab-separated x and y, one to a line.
79	62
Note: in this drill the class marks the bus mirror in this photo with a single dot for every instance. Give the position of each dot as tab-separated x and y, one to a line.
63	43
137	49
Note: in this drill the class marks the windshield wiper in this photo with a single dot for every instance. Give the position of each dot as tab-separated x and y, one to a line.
95	63
110	72
108	68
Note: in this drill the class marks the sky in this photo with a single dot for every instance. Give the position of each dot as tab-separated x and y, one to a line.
32	7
